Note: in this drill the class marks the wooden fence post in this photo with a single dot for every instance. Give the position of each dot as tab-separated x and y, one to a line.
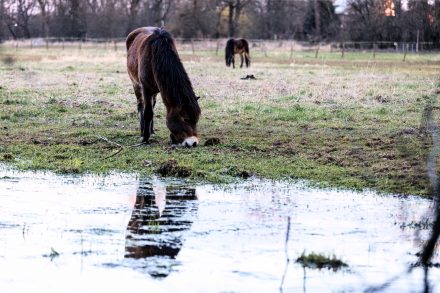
317	50
263	48
405	49
115	46
216	49
374	50
343	50
291	50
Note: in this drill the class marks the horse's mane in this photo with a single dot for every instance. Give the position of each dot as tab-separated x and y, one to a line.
169	73
229	51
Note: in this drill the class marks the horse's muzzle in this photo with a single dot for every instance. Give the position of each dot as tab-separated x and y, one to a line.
190	142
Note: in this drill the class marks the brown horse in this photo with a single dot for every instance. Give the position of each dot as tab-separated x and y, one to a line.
237	46
154	66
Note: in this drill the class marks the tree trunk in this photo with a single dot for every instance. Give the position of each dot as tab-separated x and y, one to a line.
231	30
45	25
237	16
2	17
317	20
132	16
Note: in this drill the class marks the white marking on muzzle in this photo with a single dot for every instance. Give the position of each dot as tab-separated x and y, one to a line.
191	141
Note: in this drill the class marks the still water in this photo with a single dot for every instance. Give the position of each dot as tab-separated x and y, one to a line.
117	232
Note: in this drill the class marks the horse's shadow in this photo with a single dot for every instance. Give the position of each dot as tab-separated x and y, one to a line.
155	233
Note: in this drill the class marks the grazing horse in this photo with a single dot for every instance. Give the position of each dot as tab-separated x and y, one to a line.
237	46
154	66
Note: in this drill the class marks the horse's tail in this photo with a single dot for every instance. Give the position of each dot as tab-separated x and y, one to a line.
131	36
170	75
247	56
229	52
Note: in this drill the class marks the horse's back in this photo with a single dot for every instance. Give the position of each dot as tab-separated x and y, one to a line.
139	35
137	52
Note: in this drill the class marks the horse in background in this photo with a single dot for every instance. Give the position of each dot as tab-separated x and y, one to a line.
154	66
237	46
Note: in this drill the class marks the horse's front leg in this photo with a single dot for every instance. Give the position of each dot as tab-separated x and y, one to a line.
233	61
241	59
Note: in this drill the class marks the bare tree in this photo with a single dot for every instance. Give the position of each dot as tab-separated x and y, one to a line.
2	18
161	9
133	7
16	15
44	6
235	8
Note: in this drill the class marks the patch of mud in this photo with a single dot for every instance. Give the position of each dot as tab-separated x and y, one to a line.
170	168
212	141
8	60
8	157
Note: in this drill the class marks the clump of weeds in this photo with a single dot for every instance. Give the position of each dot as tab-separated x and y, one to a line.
319	261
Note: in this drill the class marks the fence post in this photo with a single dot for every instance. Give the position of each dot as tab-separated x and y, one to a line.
374	50
31	44
291	50
343	50
417	46
62	42
317	50
80	45
405	49
216	49
263	47
115	45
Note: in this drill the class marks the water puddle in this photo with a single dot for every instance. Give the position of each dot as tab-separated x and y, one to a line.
96	233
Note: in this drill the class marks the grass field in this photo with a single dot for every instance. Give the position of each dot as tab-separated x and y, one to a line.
353	122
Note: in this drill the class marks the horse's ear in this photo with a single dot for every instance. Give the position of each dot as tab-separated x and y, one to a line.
197	98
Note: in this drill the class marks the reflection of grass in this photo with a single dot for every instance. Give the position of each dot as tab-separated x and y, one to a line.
353	123
319	261
419	225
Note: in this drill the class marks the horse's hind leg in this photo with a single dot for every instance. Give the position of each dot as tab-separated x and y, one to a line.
147	115
140	105
152	119
241	59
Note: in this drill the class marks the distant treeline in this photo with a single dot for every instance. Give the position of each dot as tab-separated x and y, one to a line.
308	20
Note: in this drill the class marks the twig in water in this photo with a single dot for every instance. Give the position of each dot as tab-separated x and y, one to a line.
428	249
121	147
429	246
286	253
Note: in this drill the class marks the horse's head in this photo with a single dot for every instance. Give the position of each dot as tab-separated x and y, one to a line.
182	123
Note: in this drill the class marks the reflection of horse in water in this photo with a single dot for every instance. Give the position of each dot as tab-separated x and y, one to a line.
237	46
154	233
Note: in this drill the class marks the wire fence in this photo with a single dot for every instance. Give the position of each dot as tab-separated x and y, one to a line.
266	47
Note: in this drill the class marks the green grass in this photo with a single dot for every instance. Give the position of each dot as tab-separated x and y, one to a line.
353	122
319	261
